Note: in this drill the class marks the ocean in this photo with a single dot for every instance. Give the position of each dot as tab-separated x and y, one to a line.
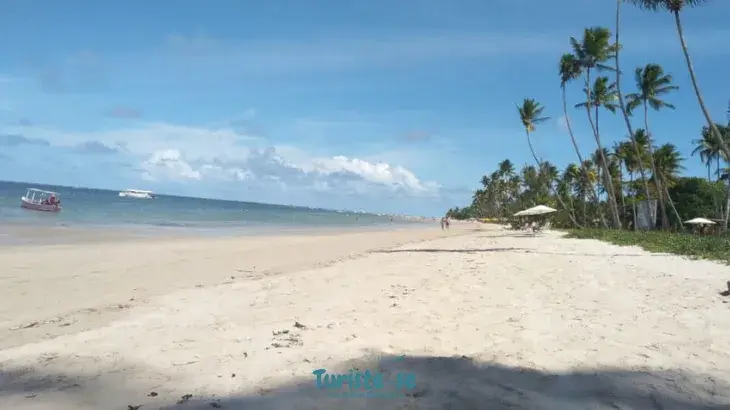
96	208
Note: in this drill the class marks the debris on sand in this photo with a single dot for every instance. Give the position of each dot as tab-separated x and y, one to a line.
185	399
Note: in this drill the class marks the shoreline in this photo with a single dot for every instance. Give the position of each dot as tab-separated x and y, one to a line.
18	234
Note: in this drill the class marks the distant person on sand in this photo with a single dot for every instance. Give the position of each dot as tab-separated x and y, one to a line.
445	223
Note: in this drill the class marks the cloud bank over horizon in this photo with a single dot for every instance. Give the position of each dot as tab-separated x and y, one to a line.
214	162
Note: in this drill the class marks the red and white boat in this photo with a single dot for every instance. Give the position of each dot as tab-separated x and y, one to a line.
39	200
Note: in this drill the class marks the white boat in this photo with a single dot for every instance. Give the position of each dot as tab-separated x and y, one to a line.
137	193
39	200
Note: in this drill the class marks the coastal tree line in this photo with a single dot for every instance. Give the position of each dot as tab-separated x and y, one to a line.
601	189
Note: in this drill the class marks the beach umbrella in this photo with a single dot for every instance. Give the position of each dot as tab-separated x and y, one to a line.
536	210
699	221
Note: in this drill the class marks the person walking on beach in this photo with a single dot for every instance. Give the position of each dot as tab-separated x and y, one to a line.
445	223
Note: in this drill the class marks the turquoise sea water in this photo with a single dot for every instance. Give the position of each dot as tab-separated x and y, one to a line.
84	207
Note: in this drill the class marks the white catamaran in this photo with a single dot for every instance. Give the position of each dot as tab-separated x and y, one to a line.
137	193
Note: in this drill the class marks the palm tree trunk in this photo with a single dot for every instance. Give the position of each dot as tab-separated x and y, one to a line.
550	184
727	206
633	203
572	203
657	182
613	207
691	69
671	203
718	165
622	193
625	114
580	157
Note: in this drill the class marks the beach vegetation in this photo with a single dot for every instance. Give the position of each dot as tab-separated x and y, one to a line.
606	189
680	243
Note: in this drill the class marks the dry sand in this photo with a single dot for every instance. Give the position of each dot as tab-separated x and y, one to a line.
487	319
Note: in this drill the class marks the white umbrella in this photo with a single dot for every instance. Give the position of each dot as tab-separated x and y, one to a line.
536	210
700	221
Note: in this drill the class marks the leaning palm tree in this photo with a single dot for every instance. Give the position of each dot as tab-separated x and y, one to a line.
624	111
592	52
570	69
531	114
652	84
603	95
676	7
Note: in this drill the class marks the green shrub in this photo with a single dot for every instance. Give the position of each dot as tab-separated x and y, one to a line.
685	244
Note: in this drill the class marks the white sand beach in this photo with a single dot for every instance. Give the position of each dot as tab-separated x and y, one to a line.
486	319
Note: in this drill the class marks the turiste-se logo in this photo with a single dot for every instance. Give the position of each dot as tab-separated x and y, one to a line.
356	384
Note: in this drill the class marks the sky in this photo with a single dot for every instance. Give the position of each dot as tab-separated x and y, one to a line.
387	106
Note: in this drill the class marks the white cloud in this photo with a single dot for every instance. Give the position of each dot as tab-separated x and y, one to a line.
144	139
169	153
169	164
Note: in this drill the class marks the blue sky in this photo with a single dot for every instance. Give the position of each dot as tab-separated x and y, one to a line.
395	106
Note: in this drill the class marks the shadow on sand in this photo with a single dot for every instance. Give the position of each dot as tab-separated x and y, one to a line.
458	383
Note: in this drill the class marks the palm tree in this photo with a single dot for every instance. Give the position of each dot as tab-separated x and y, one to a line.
725	174
709	149
505	171
592	52
624	111
603	95
565	185
586	183
625	153
667	163
506	168
652	83
570	69
676	7
614	166
704	148
531	114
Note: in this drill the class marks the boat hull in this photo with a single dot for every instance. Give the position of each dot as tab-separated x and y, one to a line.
136	196
24	203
